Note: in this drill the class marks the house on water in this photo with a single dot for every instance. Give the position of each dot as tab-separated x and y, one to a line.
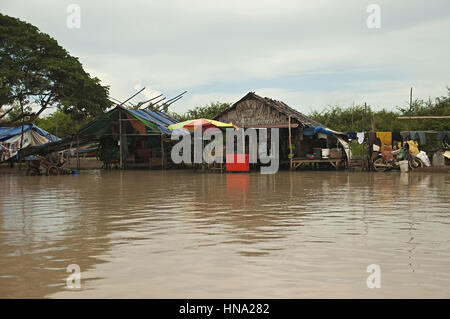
131	138
307	140
126	138
20	137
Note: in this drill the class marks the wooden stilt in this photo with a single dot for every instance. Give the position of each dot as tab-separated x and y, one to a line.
21	136
162	152
78	152
120	140
69	154
290	144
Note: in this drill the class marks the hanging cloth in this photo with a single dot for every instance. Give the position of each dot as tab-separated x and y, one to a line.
445	135
413	147
396	137
405	135
360	136
351	136
418	136
385	138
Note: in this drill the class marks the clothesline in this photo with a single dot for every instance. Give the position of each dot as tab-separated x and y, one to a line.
387	138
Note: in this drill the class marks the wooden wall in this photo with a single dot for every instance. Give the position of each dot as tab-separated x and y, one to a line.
249	113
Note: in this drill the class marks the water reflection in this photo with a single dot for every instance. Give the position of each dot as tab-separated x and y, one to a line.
172	233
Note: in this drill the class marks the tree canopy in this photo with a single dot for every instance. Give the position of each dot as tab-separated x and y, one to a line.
348	119
36	71
60	124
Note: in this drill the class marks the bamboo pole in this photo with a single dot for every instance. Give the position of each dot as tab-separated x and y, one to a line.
162	152
373	123
364	117
78	152
290	144
21	137
69	154
423	117
410	108
120	140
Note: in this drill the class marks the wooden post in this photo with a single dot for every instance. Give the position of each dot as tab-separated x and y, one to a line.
69	155
290	143
21	137
162	152
120	140
353	111
78	152
373	123
410	108
364	117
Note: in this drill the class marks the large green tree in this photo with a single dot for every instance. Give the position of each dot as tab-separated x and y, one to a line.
35	71
60	124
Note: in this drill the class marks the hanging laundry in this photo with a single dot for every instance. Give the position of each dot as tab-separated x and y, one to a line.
405	135
360	136
418	136
396	136
385	138
445	135
413	147
351	136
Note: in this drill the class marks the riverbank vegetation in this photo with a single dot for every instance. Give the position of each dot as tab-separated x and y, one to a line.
359	118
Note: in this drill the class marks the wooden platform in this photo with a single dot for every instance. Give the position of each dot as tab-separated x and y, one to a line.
297	162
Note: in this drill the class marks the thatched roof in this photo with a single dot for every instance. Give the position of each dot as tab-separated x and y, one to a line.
278	106
286	110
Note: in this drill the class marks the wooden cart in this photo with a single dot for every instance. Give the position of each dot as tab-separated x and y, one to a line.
41	165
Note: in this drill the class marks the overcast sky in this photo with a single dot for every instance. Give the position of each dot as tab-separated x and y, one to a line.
309	54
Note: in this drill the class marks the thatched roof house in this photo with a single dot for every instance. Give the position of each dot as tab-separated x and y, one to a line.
254	111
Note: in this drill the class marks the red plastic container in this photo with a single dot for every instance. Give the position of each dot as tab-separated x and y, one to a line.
232	164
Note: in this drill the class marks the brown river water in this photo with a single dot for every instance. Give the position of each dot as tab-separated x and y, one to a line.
179	234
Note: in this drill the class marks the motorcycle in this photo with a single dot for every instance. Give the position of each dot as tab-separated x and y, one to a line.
381	164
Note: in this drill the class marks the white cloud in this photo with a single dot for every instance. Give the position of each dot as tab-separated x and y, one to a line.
223	49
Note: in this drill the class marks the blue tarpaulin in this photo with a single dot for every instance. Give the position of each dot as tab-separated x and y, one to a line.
8	132
312	130
12	140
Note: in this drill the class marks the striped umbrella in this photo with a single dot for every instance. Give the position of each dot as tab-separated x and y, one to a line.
203	123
